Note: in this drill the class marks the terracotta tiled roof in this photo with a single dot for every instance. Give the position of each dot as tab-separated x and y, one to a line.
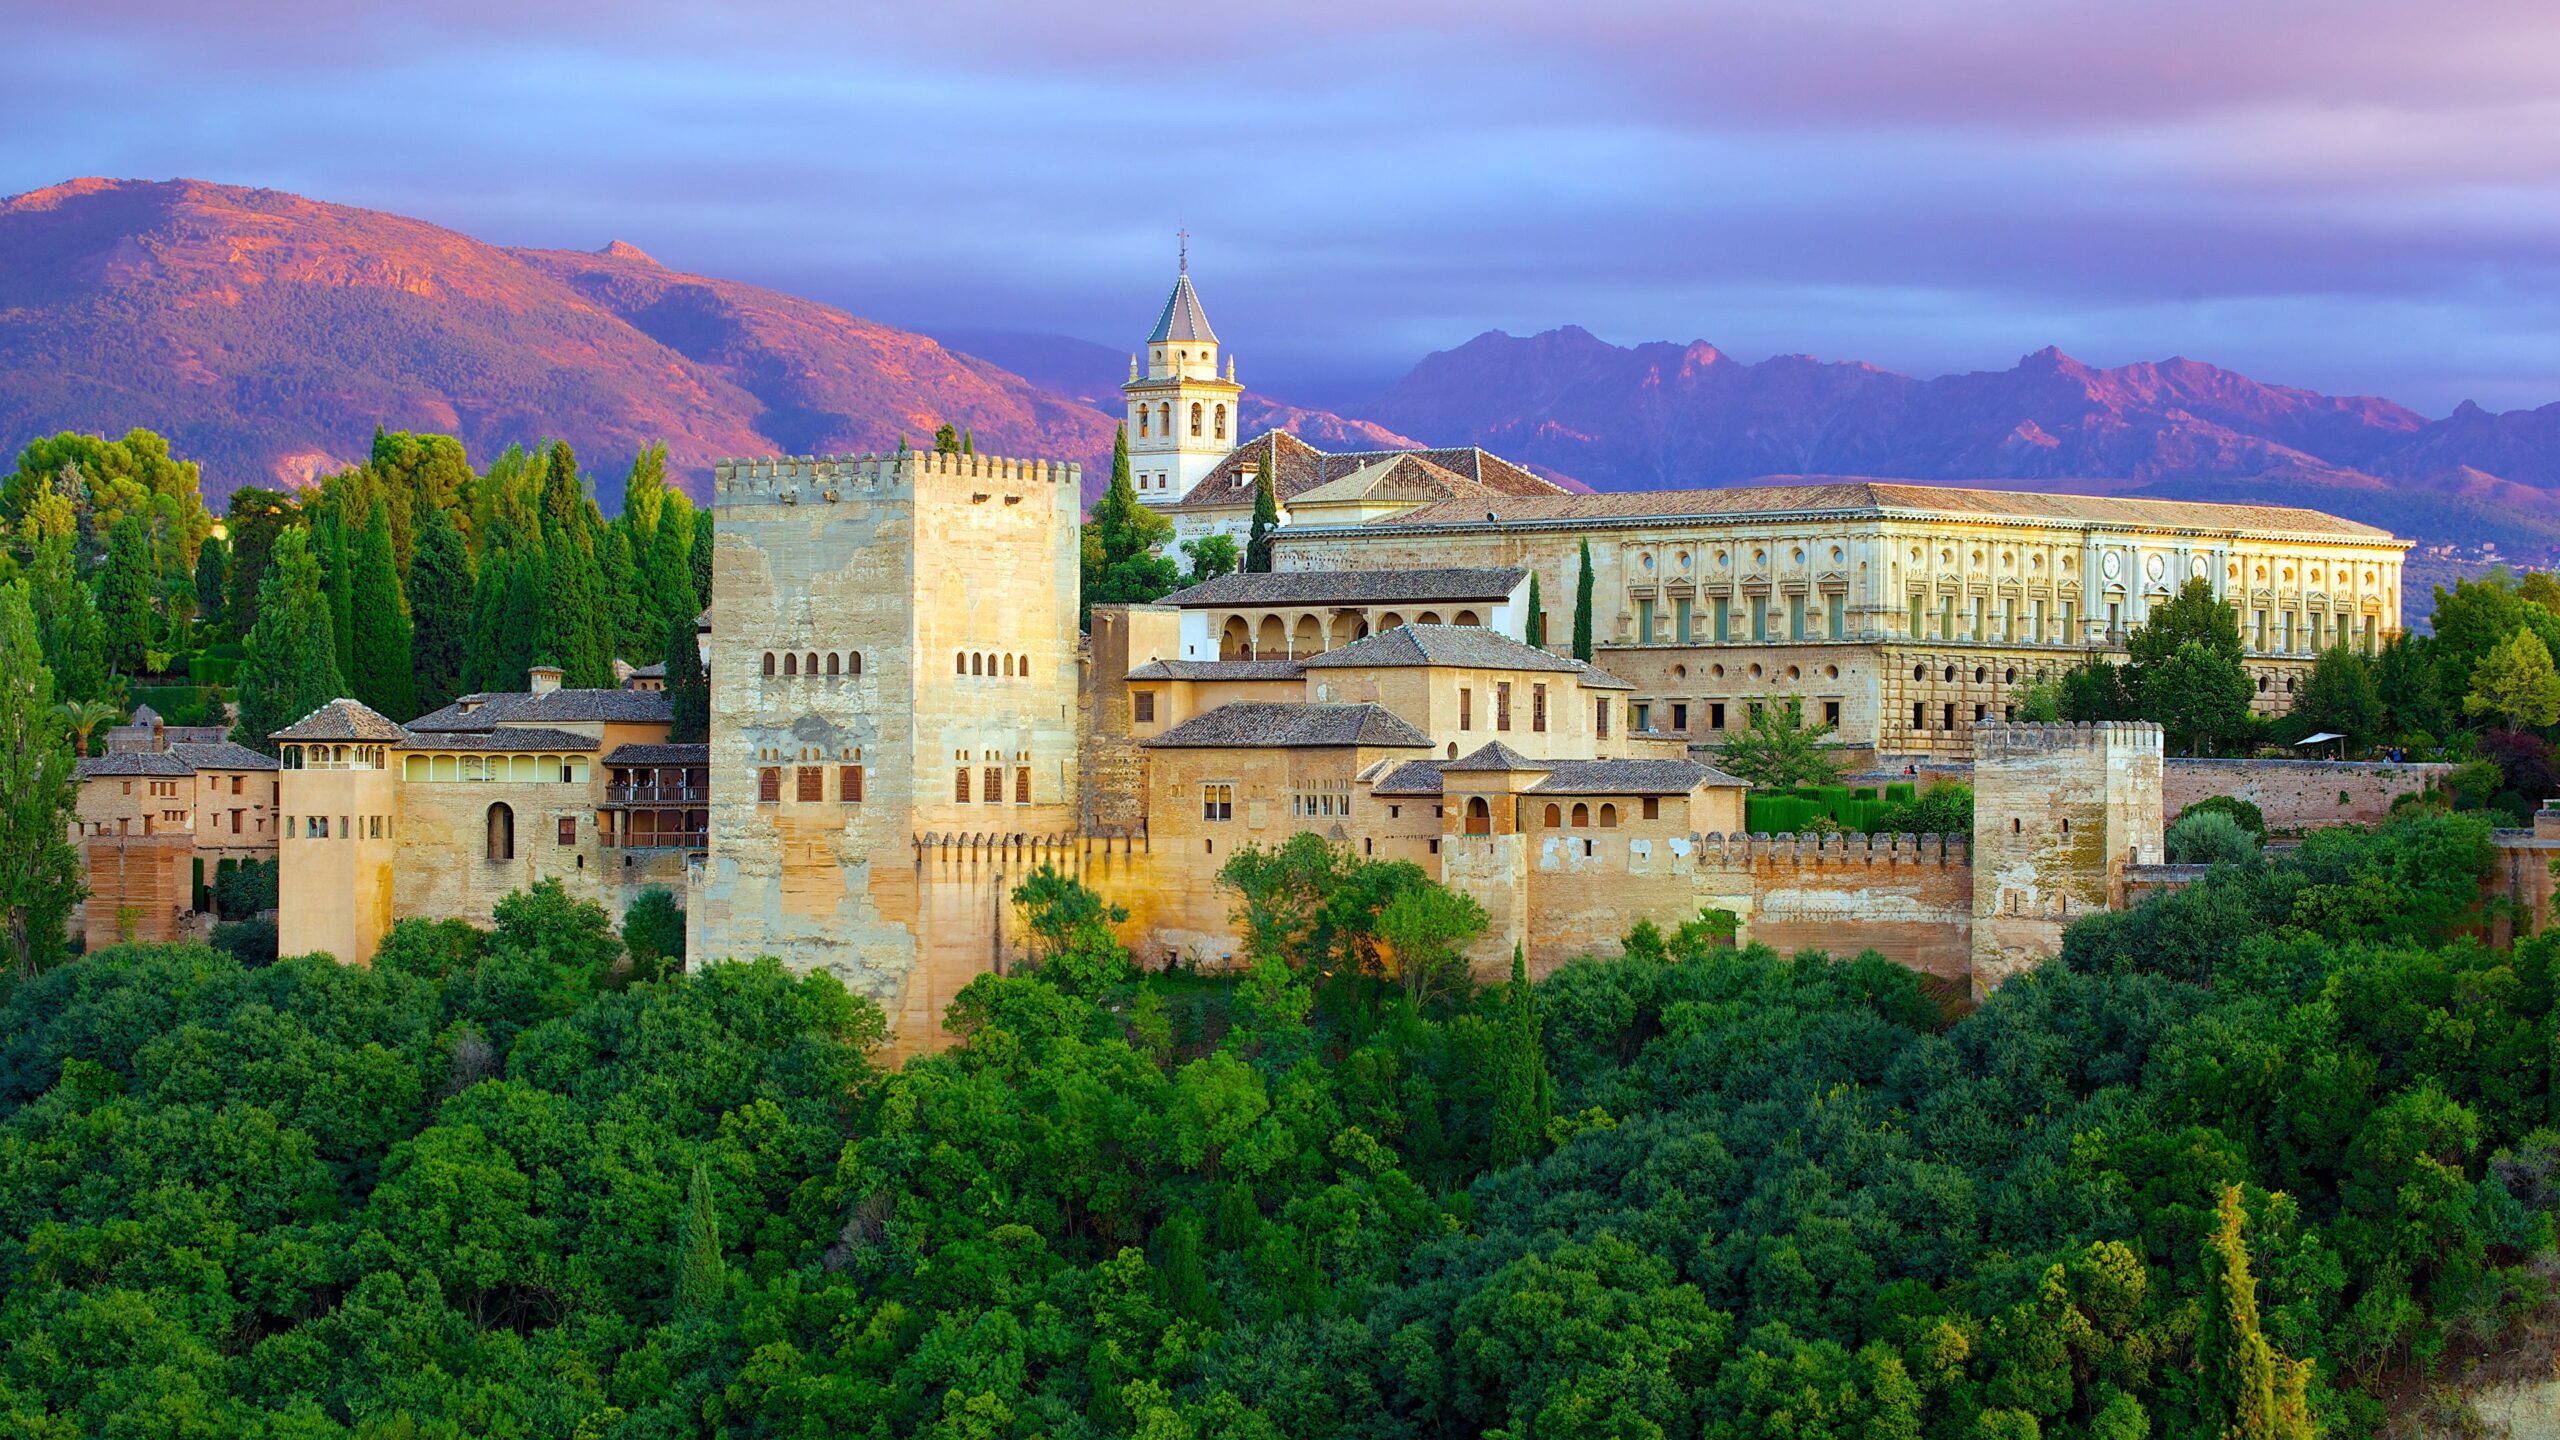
220	755
1497	756
119	764
1350	587
1596	679
1298	467
1255	724
489	710
511	738
659	755
1469	647
1413	777
1218	670
1630	777
343	720
1817	495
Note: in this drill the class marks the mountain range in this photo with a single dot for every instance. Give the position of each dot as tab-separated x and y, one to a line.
267	334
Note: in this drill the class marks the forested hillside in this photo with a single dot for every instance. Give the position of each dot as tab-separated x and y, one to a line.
2237	1163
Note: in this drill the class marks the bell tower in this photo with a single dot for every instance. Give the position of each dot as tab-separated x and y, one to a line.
1182	410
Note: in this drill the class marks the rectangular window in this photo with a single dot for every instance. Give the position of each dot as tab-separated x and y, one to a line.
235	783
568	829
960	785
1640	717
1720	627
2318	629
319	827
1644	622
1600	717
769	784
1466	708
1795	618
1652	808
1831	713
849	782
1715	714
1835	607
1502	705
1680	719
1145	701
2258	632
1022	786
1217	802
1760	618
1946	617
1680	618
1919	715
1538	708
811	782
2368	634
2070	622
1981	616
1947	716
2035	621
2009	619
1917	600
994	793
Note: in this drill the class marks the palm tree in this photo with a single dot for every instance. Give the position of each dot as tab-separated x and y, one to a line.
84	716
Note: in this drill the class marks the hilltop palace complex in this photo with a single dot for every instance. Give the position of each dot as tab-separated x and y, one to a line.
906	718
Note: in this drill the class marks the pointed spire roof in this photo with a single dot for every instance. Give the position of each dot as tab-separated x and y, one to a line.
1183	319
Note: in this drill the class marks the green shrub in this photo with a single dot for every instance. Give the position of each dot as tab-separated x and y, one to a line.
251	942
244	890
2210	837
2251	818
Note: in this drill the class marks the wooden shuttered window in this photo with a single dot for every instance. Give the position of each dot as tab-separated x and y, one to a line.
1022	786
960	785
849	782
769	784
813	782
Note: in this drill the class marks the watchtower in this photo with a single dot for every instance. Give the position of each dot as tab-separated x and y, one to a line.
2059	811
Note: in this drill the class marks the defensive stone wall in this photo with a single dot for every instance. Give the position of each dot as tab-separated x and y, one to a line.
2059	813
2301	794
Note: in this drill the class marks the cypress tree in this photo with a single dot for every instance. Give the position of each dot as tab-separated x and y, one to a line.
702	1274
700	558
488	620
292	667
2247	1379
382	677
124	596
666	573
520	619
644	495
1582	606
212	568
1537	625
67	623
1520	1085
1266	517
562	496
337	571
444	613
688	689
635	630
575	635
40	872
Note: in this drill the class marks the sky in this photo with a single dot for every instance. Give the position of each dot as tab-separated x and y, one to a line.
2357	196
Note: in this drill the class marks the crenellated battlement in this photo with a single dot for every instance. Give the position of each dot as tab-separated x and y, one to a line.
1994	739
1845	848
818	479
998	844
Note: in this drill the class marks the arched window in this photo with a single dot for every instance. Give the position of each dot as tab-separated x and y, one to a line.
1195	419
768	662
1479	816
790	664
853	663
502	832
835	663
1581	815
1022	666
1008	667
977	664
1145	416
959	663
1164	418
1608	817
1555	818
1427	617
1222	422
812	667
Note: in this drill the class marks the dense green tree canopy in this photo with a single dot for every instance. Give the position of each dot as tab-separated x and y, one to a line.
292	667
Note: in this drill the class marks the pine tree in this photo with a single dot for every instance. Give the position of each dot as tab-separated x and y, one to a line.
292	667
688	689
1582	607
1266	517
443	614
382	678
702	1274
1537	626
212	567
338	582
124	596
946	441
67	623
40	874
1520	1086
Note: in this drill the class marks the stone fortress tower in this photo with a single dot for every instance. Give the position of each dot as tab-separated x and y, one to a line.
1182	415
897	657
2059	811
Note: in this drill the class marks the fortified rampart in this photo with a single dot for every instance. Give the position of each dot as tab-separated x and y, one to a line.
2059	811
2301	794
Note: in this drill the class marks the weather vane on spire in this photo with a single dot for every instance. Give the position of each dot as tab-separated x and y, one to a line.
1182	251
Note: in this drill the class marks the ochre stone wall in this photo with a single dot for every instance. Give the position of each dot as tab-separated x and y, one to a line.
2301	794
334	892
1112	768
2059	812
145	881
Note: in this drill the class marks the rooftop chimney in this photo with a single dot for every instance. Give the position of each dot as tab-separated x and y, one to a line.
545	678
